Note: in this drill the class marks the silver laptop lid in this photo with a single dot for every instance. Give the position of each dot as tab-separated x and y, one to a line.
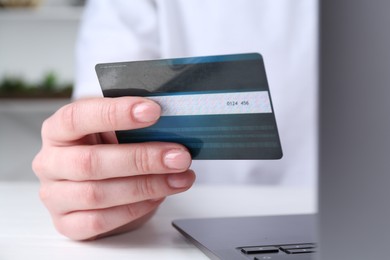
354	129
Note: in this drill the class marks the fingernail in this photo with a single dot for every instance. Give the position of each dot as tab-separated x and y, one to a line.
177	159
178	181
146	112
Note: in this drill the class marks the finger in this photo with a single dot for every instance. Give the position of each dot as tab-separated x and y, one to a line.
97	162
127	227
97	115
114	192
81	225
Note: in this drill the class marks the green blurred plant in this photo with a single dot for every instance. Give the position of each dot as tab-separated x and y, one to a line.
48	87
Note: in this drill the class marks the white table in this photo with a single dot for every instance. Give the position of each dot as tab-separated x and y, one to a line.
26	231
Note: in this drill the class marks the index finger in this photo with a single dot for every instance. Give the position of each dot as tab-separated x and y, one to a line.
97	115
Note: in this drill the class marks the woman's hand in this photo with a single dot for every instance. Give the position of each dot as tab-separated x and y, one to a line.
93	186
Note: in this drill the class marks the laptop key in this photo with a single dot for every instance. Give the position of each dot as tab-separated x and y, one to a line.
259	250
297	246
300	251
267	257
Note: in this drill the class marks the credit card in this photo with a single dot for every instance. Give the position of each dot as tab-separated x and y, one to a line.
219	107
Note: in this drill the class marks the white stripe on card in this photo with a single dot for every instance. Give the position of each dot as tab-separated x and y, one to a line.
215	104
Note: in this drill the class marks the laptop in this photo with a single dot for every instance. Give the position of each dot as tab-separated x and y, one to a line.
354	154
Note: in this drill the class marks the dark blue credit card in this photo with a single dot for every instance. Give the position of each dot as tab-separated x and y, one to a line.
219	107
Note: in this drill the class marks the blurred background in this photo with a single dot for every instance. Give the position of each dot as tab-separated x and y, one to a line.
37	40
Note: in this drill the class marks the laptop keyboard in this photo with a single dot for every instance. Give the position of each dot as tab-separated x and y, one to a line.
267	252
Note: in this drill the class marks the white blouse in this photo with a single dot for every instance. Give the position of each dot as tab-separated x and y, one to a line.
283	31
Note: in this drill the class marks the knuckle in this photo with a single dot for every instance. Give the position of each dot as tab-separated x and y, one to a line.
86	163
45	128
67	116
44	194
60	225
132	212
95	223
109	114
91	194
141	159
38	165
145	187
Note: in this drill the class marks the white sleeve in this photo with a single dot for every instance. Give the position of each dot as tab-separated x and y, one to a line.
112	31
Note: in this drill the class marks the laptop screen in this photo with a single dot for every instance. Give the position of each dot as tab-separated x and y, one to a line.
354	129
